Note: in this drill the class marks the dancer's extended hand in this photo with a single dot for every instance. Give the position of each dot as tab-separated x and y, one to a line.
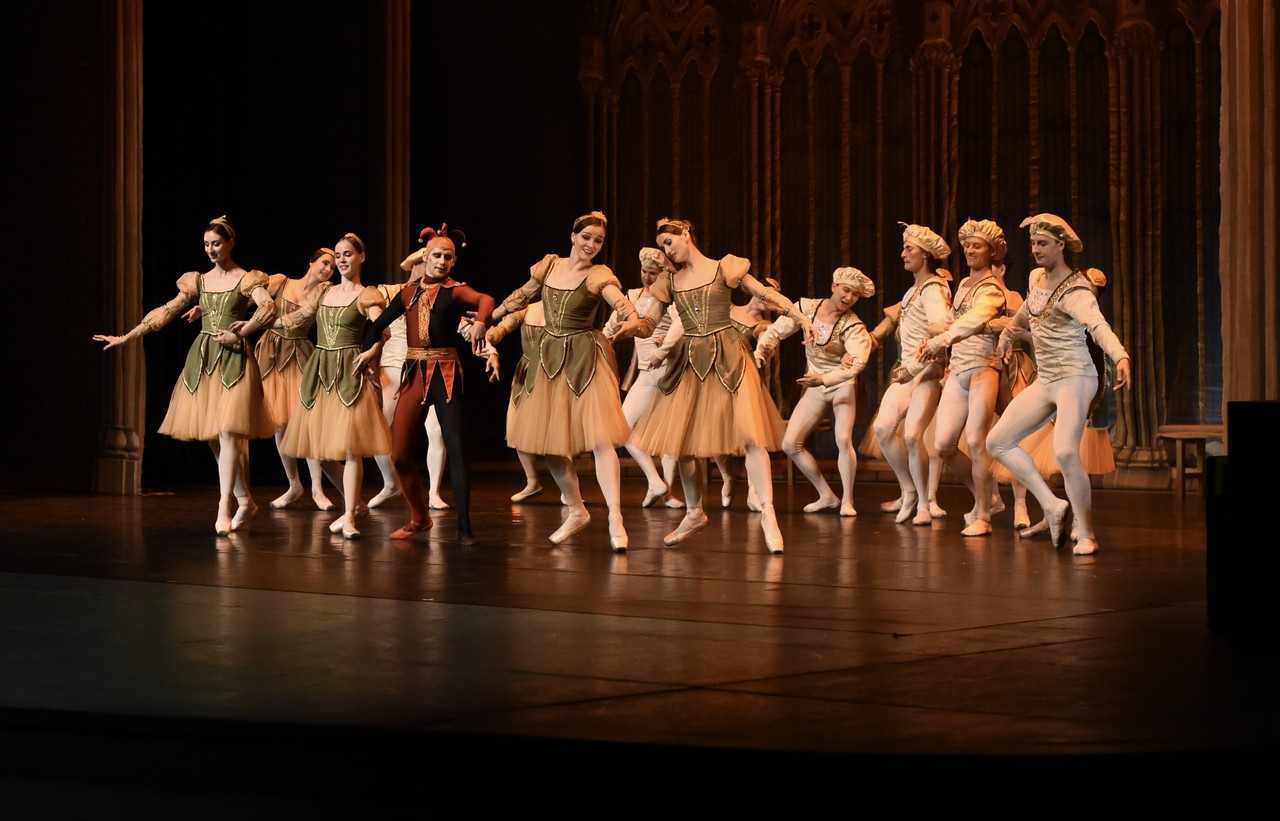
1124	374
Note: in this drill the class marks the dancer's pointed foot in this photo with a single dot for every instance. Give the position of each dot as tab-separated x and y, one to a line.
387	493
530	490
653	495
726	490
772	535
891	507
1021	519
617	533
907	509
936	511
1085	547
346	525
222	524
293	494
410	529
246	510
322	502
674	503
822	503
846	509
1057	518
577	519
978	527
694	520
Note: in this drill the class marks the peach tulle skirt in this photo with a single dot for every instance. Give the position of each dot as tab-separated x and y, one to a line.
280	391
213	409
552	419
702	418
330	430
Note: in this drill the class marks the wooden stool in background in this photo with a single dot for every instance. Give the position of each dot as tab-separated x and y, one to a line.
1184	436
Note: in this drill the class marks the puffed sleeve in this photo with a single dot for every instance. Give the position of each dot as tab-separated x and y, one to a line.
188	294
1082	306
275	285
370	298
253	281
523	295
599	278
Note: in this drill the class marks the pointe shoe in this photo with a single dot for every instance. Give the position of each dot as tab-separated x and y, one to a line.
822	504
322	502
726	493
694	520
436	503
935	511
906	510
222	525
1085	547
1034	530
979	527
674	504
1058	523
384	495
1021	519
769	523
753	501
653	495
349	530
528	493
293	494
410	529
246	510
846	509
336	525
577	519
617	533
997	504
923	517
891	507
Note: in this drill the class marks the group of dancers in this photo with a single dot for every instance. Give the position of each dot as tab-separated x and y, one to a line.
693	390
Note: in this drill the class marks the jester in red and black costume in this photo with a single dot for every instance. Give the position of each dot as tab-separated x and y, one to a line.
434	306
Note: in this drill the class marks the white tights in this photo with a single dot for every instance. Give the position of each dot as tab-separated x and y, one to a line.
967	406
806	415
912	405
639	397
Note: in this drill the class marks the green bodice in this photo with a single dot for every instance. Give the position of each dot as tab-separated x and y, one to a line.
571	345
339	332
218	309
710	341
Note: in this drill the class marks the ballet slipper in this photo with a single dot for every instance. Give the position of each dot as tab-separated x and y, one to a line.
907	509
222	525
979	527
935	511
530	490
923	517
753	501
349	529
293	494
846	509
436	503
1021	519
322	502
246	510
823	503
653	495
410	529
1034	530
1085	547
385	495
726	491
769	523
617	533
576	520
891	507
674	504
1057	518
693	521
336	525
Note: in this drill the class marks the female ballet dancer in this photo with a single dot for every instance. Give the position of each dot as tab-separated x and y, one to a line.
972	385
218	398
1060	309
340	418
713	401
643	375
828	383
572	402
433	305
913	394
749	320
282	355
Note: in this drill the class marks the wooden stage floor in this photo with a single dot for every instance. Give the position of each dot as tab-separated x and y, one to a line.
144	657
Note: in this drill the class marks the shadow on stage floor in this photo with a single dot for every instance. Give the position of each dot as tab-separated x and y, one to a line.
150	664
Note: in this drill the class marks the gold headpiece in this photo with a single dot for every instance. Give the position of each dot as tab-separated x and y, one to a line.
989	231
593	215
932	244
683	226
862	284
222	220
1055	227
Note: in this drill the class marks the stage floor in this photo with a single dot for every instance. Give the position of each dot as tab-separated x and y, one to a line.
127	626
